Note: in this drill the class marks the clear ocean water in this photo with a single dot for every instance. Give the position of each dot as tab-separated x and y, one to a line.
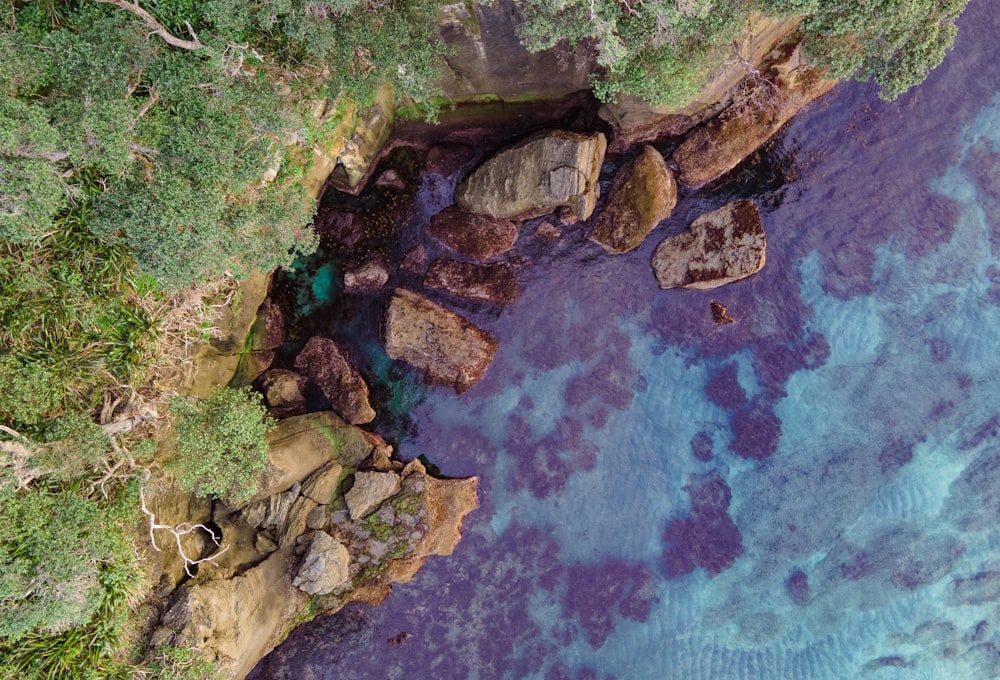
811	492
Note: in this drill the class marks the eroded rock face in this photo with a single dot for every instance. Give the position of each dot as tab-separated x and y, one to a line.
329	368
758	112
284	392
324	566
369	490
451	350
719	247
494	283
643	194
477	237
537	175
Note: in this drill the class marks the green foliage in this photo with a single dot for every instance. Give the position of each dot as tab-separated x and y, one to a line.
896	42
221	449
665	50
176	663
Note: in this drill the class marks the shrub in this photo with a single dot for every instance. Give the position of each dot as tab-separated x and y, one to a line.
221	449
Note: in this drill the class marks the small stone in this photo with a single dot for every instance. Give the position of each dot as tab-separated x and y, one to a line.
493	283
377	549
477	237
720	314
365	276
316	519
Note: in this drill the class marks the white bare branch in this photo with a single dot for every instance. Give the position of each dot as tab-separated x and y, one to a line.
178	531
157	27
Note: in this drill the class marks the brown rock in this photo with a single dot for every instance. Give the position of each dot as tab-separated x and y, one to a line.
447	158
369	275
759	111
536	176
548	231
477	237
284	392
329	368
718	248
390	179
642	195
493	283
415	260
429	337
339	227
721	315
323	483
268	331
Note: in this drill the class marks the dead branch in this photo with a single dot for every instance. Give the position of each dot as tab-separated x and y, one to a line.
20	453
182	529
157	27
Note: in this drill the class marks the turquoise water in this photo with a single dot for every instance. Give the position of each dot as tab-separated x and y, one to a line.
811	492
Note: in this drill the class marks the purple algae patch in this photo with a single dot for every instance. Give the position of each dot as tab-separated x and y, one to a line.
756	430
895	455
701	446
546	463
598	594
797	587
708	538
724	390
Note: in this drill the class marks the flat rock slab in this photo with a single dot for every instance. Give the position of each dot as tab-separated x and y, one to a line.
328	367
494	283
478	237
537	175
719	247
451	350
369	490
643	194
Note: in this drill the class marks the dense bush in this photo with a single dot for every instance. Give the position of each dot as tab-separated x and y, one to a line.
665	50
221	449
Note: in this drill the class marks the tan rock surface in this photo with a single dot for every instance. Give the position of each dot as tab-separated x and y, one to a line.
429	337
719	247
643	194
537	175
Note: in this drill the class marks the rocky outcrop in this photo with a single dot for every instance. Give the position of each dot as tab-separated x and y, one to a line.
719	247
324	566
765	103
323	362
476	237
493	283
635	121
297	551
537	175
347	154
369	490
642	195
284	392
451	350
486	56
368	275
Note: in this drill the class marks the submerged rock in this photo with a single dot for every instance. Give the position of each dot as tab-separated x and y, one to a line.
371	274
477	237
324	566
537	175
429	337
643	194
760	110
329	368
719	247
493	283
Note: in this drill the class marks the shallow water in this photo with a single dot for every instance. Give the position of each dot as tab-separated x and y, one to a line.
810	492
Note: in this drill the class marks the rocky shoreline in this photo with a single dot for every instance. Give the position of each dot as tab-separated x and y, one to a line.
339	518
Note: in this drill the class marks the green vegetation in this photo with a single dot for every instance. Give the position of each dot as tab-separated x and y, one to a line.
666	50
221	449
135	139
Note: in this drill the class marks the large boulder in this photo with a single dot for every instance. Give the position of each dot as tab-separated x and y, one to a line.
766	102
325	566
477	237
451	350
343	386
718	248
494	283
537	175
369	490
643	194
